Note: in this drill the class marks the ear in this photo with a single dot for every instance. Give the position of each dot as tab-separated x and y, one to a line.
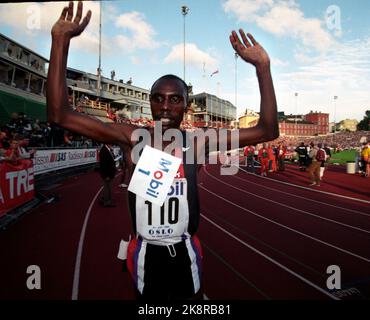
187	107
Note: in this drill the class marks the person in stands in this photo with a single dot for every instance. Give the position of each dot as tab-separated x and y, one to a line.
12	155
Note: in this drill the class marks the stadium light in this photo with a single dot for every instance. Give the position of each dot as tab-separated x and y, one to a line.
296	110
335	116
99	68
184	11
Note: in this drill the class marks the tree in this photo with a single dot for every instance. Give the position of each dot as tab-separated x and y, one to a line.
364	124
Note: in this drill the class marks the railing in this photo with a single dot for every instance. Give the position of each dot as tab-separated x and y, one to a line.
94	105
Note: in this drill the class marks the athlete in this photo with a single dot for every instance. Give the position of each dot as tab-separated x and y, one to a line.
163	266
263	158
249	157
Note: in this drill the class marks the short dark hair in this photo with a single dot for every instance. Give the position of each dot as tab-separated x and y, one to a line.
173	77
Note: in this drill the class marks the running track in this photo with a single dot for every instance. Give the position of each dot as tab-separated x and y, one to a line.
263	238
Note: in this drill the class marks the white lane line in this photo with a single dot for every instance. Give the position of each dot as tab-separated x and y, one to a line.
310	189
76	277
288	228
271	259
296	196
286	206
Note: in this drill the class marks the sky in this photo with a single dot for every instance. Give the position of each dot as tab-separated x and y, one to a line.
318	49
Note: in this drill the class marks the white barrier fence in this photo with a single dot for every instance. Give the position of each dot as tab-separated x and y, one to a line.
51	160
57	159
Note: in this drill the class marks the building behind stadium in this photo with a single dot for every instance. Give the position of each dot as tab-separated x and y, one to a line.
310	124
23	75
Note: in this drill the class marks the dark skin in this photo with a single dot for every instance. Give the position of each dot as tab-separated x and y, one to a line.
168	97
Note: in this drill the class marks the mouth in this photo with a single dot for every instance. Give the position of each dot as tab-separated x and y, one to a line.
166	121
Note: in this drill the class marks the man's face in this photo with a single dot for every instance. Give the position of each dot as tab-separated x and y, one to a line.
14	144
168	103
24	143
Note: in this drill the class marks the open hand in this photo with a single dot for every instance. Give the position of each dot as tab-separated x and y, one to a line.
65	27
252	53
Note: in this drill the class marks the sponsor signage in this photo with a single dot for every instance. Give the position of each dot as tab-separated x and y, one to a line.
50	160
16	185
154	174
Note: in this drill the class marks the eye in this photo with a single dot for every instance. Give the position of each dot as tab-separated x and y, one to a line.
158	98
175	99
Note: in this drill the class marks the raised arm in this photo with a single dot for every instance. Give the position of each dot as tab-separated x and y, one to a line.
58	109
267	128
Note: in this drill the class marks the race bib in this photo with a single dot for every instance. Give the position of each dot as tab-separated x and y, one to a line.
156	223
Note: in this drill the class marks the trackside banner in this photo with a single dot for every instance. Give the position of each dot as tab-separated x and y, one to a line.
16	185
17	182
51	160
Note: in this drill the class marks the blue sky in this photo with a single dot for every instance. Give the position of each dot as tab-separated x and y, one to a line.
143	40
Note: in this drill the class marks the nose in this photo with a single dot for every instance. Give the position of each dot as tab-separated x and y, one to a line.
165	104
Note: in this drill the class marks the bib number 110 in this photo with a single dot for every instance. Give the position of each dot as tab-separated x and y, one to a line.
172	207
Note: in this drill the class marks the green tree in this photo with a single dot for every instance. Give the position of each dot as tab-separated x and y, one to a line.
364	124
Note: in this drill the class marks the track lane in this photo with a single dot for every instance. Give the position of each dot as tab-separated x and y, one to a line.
101	272
275	280
295	207
274	181
306	202
48	237
352	269
259	212
244	274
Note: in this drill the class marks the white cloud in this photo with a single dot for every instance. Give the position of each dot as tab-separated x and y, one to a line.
141	33
282	19
194	56
16	15
279	63
344	71
247	10
135	60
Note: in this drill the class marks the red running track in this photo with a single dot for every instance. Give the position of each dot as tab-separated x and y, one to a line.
262	239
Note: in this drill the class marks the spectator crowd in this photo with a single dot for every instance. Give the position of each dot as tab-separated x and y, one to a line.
343	140
21	135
